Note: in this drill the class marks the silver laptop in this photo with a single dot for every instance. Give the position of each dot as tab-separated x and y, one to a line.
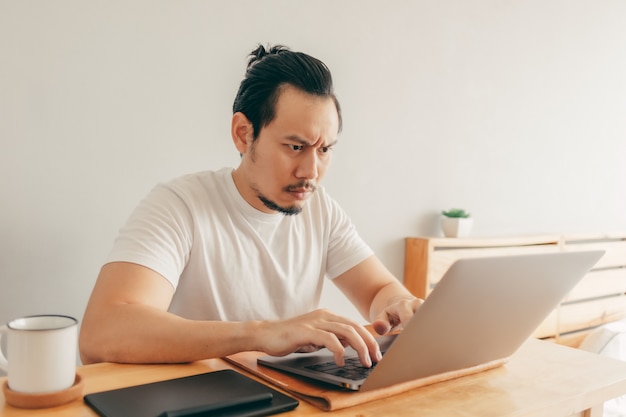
482	310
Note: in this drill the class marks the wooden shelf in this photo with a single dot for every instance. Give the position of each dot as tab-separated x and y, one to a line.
599	298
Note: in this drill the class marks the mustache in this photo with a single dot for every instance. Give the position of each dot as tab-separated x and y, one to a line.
304	184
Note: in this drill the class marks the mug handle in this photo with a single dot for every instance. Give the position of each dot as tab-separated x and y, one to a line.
4	364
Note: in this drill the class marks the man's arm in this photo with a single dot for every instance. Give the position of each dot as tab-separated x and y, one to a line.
127	321
378	295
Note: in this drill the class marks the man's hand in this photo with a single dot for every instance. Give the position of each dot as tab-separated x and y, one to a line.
396	315
378	295
312	331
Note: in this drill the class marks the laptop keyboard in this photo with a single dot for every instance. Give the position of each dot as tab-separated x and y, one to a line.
353	369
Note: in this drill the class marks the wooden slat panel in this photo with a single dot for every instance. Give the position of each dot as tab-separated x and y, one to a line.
599	283
487	242
441	260
572	238
615	255
591	313
588	304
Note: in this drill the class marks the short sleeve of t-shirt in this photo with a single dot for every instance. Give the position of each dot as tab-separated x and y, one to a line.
158	234
346	249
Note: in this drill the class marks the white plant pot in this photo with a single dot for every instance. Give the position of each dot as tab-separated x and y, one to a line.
456	226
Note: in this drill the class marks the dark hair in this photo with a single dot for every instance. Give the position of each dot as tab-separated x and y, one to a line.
268	71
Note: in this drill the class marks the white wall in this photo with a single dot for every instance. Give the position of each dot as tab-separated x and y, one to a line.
515	110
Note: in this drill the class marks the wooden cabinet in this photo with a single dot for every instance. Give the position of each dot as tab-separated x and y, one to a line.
599	298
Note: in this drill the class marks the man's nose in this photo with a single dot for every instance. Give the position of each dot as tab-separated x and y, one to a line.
309	166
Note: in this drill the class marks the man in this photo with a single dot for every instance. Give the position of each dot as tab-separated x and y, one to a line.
216	263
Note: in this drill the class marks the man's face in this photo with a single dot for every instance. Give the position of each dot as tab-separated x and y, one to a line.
284	165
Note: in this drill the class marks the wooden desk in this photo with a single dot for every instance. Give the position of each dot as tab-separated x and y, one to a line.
542	379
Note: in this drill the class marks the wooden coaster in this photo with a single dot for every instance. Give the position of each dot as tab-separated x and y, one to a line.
49	399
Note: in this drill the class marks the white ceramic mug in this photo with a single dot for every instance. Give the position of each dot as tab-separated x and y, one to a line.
41	352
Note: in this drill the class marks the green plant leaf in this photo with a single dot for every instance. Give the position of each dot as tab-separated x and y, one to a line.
456	213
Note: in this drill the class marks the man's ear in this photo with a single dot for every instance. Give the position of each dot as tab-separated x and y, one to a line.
242	132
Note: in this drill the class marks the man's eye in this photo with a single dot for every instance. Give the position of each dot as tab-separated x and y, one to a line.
296	147
325	149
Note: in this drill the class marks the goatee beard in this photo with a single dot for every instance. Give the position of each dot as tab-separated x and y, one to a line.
291	210
287	211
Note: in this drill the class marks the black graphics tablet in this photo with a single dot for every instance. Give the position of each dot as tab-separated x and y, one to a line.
224	393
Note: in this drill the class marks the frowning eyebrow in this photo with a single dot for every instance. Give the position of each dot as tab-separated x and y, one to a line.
304	142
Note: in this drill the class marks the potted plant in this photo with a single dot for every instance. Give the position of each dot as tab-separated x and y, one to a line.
456	222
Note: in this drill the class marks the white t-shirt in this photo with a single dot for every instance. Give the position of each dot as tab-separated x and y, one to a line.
229	261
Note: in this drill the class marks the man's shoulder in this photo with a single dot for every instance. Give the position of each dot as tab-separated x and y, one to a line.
194	189
200	177
191	182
